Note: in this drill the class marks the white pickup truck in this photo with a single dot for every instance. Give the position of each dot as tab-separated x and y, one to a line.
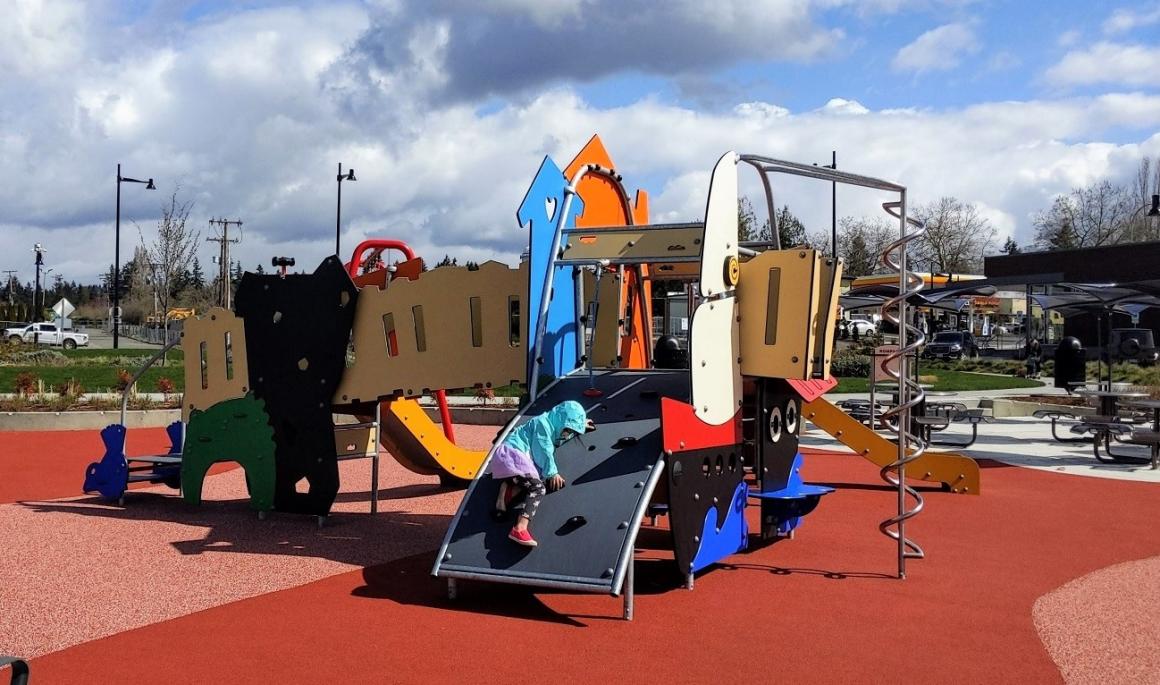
48	335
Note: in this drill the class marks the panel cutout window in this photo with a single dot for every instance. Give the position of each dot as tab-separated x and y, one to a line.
771	306
204	366
476	322
420	329
389	335
229	356
513	321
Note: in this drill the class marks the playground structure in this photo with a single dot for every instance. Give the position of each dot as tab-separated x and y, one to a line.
694	439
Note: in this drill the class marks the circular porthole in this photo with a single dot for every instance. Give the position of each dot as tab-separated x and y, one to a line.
776	424
791	417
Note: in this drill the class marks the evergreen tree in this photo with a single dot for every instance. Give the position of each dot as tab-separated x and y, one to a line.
259	270
1011	247
197	276
790	230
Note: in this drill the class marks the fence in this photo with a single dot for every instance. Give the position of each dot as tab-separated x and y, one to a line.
154	335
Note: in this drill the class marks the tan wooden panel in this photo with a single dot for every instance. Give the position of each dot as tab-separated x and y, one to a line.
654	245
210	377
448	352
352	442
606	345
778	293
826	313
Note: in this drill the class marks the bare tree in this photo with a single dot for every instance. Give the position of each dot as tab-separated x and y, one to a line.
1086	217
955	239
1140	227
171	251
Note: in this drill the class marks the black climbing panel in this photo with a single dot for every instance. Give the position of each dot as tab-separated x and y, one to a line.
297	332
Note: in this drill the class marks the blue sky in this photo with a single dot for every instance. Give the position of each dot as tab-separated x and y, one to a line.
446	107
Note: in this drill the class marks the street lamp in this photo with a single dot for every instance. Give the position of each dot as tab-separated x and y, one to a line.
349	176
833	204
117	256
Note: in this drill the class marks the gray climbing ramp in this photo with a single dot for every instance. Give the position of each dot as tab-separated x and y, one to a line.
587	530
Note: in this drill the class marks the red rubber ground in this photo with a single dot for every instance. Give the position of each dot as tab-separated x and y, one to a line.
822	607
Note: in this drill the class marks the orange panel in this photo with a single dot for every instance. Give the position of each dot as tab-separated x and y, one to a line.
603	208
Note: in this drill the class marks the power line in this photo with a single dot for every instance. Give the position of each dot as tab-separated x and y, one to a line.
224	241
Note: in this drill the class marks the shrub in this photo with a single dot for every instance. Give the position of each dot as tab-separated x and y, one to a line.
165	385
124	378
848	364
73	388
26	383
484	395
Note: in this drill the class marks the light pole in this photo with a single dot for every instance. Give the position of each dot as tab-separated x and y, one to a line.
349	176
1153	211
117	256
833	204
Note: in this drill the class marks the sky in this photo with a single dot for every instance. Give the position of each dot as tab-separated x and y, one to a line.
445	109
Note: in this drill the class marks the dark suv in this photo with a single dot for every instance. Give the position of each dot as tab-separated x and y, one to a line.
951	345
1133	344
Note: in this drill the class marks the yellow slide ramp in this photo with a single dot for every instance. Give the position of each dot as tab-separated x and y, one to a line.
956	472
418	443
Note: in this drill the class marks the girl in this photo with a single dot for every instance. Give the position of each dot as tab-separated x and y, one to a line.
526	460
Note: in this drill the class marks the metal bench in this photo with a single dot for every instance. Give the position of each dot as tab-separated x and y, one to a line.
1056	416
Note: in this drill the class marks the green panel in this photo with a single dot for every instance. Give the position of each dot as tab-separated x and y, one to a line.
235	430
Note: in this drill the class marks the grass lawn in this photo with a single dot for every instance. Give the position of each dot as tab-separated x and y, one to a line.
949	380
91	378
85	354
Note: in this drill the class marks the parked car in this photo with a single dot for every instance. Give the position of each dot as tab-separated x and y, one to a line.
48	335
862	327
951	345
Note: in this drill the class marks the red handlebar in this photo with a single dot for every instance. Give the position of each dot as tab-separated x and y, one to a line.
380	245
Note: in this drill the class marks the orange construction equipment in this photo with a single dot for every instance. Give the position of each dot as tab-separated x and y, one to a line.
956	472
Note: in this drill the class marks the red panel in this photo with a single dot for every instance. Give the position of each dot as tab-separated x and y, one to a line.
683	430
812	390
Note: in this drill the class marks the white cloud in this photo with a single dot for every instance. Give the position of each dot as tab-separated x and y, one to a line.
1123	20
1104	62
41	37
939	49
260	142
1068	38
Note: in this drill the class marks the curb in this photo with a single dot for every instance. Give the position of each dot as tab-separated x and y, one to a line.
85	420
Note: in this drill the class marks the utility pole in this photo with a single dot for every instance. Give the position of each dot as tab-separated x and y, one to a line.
11	285
39	250
834	207
224	242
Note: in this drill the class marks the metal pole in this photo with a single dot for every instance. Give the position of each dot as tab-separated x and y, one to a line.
338	216
834	207
629	593
903	390
117	270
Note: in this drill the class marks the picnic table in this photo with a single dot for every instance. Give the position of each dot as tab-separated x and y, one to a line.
1152	437
1108	399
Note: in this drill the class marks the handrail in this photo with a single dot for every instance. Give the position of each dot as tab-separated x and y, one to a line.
140	372
554	255
378	244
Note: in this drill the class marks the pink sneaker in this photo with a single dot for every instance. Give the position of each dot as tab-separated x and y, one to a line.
522	537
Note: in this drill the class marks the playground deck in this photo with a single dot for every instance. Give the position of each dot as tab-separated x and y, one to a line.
1046	577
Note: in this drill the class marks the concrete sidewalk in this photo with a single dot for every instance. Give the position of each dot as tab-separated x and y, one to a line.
1021	441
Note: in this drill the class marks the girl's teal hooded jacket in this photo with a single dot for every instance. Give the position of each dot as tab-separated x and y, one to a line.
539	436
